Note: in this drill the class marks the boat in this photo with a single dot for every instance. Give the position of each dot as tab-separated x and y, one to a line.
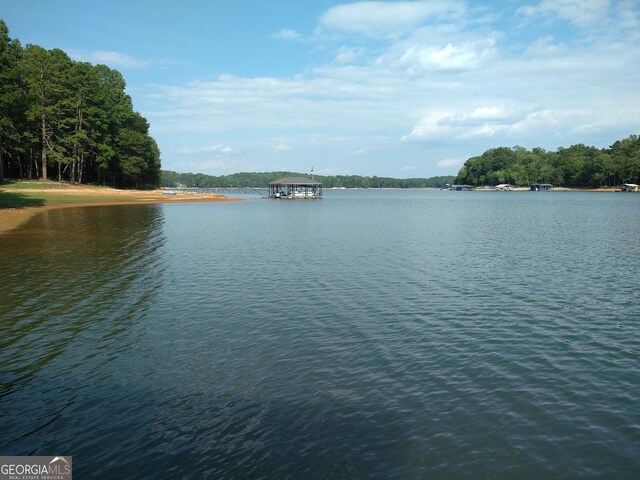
299	194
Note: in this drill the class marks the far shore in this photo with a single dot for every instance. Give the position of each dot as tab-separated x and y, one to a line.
53	195
553	189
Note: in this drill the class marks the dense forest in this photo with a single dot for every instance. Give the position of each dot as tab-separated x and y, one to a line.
253	179
576	166
67	120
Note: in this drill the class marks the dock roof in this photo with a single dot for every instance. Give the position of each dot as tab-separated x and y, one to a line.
294	181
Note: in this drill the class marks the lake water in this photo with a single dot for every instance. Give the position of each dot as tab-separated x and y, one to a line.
370	334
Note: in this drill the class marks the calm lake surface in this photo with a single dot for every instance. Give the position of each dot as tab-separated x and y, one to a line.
371	334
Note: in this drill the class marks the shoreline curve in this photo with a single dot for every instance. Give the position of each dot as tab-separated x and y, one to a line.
13	218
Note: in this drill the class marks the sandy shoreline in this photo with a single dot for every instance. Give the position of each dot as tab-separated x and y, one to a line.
11	218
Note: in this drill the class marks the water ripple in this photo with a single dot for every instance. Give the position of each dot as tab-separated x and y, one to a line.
373	334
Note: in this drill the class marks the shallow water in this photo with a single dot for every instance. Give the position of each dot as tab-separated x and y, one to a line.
386	334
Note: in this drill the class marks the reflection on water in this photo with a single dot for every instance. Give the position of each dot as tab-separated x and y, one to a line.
381	334
75	281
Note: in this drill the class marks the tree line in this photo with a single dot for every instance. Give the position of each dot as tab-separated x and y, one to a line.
68	120
576	166
262	179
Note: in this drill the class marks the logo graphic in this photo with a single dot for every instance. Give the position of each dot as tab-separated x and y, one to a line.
36	468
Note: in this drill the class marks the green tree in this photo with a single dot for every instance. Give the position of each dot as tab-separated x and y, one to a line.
74	115
12	99
138	153
45	72
626	158
88	124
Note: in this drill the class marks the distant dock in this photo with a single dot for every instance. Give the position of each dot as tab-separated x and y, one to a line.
458	188
291	188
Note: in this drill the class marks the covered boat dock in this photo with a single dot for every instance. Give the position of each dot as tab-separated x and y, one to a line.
294	188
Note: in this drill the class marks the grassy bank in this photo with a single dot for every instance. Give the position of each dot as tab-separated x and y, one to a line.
40	194
41	199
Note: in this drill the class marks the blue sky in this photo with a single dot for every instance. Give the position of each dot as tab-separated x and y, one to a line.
396	88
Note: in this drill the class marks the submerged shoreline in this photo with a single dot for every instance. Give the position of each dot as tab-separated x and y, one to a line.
81	196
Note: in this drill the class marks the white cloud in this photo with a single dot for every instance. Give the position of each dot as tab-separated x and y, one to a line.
210	166
384	18
205	149
110	58
450	162
545	46
580	12
542	119
217	164
286	34
450	57
483	122
282	147
484	130
488	112
455	124
431	126
349	54
444	89
628	15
